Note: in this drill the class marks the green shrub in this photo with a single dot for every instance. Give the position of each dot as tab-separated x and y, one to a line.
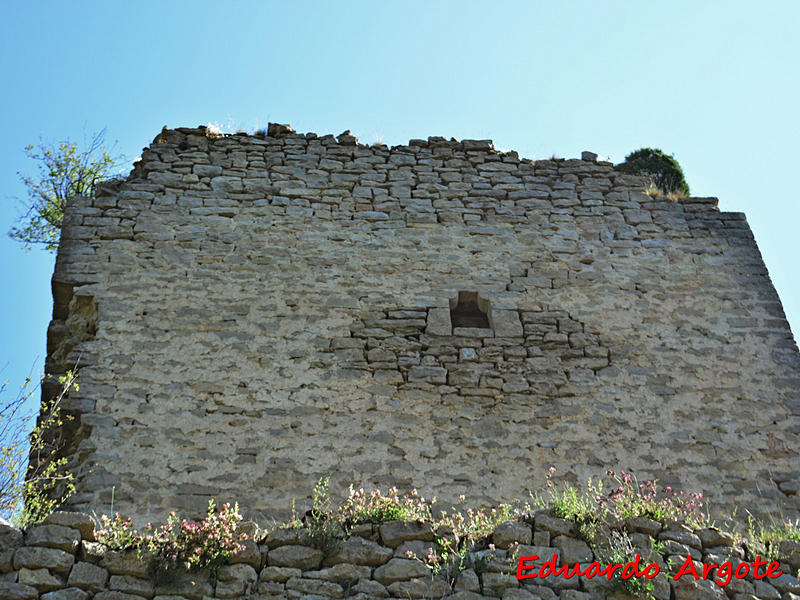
322	526
665	172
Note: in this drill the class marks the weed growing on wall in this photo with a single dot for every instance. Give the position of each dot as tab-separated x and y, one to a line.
322	526
633	499
205	545
620	550
462	538
580	507
376	507
626	499
764	539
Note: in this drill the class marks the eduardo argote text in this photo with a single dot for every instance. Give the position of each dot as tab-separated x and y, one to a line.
721	574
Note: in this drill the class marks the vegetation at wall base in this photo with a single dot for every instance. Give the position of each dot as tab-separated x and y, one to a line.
316	527
462	539
205	545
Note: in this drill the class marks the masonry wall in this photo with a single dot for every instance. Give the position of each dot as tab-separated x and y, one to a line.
253	313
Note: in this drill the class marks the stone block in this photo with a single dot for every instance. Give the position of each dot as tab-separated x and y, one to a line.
711	537
506	323
17	591
686	588
422	587
299	557
75	520
92	552
506	534
438	323
41	579
466	595
573	550
249	555
643	525
421	374
786	584
494	584
88	577
237	572
360	551
316	587
54	536
33	557
764	591
554	525
468	581
518	594
370	589
281	536
394	533
539	591
117	595
400	569
281	574
70	593
223	183
121	562
10	537
682	536
131	585
192	586
344	574
574	595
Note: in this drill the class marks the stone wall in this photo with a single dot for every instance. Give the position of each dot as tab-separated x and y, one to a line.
60	560
252	313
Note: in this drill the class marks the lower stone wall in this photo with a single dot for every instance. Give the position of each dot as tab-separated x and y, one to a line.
61	560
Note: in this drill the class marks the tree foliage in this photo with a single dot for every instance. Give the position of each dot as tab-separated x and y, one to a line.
33	478
664	171
64	171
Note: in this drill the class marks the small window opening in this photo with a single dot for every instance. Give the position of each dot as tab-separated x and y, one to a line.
468	312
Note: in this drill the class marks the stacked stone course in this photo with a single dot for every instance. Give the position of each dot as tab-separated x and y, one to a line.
252	313
61	560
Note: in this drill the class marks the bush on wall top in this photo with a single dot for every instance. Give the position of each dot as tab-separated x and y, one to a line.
663	169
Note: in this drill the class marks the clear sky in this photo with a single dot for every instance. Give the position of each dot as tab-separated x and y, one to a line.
714	83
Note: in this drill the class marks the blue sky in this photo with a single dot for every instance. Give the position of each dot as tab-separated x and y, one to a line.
714	83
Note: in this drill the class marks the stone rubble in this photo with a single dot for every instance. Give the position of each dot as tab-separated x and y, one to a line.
362	568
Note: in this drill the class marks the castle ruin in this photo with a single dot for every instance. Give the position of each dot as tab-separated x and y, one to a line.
250	313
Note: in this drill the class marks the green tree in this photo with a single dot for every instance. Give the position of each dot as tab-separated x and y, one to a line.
664	171
64	171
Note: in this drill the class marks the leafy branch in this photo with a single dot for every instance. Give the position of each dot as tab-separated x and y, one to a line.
64	171
33	479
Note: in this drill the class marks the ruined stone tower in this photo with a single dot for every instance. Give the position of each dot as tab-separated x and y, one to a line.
251	313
